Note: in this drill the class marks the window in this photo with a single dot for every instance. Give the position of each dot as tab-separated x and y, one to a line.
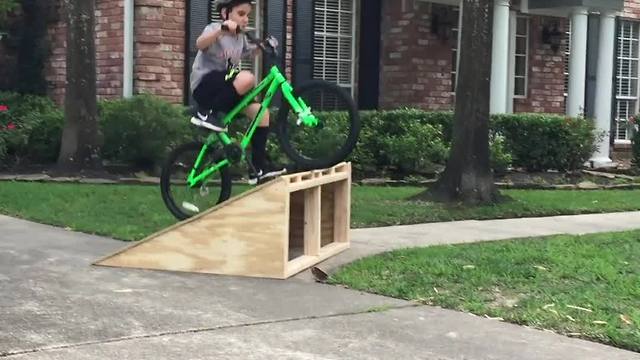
567	53
334	42
521	57
255	22
626	78
455	43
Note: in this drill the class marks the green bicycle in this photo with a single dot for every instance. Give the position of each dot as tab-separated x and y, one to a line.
317	127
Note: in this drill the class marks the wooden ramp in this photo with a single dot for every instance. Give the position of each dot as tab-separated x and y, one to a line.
274	230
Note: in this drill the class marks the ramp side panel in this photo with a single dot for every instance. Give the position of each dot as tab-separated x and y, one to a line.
242	237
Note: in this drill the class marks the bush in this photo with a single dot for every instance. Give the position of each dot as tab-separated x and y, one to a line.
395	140
30	130
139	131
416	148
633	127
500	157
540	142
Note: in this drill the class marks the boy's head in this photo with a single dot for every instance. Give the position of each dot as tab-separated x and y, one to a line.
236	10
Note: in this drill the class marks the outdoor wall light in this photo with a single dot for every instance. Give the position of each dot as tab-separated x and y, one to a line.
552	36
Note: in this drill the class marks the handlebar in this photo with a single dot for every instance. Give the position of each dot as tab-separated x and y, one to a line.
268	45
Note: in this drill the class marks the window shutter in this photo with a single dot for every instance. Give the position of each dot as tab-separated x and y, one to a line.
198	10
303	39
276	27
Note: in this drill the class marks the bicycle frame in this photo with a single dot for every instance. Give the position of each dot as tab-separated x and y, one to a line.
274	81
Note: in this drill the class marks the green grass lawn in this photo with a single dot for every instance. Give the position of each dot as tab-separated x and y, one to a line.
131	212
582	286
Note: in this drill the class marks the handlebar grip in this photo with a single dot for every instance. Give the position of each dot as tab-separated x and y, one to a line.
226	28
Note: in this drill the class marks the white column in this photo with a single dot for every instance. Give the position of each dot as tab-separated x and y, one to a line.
127	54
577	62
500	57
604	87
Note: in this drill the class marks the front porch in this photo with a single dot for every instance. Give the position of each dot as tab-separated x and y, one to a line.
582	35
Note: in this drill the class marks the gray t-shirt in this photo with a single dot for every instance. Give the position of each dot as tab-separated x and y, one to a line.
226	52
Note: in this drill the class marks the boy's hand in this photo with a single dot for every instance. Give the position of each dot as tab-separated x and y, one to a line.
230	25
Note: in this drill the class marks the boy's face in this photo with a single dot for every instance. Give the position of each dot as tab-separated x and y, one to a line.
240	14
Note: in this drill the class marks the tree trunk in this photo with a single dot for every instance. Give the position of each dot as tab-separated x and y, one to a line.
468	177
80	141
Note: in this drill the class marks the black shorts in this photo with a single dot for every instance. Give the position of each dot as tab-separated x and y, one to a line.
213	91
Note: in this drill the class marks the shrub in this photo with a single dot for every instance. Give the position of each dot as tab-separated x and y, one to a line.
415	148
30	129
500	159
395	140
540	142
633	127
139	131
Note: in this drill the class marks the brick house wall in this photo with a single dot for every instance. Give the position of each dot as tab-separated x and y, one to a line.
160	48
407	76
416	64
631	9
159	40
55	68
545	89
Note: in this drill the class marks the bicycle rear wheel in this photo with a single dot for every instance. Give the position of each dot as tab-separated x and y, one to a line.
184	201
333	139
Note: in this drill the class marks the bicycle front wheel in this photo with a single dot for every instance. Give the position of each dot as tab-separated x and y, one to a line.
335	136
184	201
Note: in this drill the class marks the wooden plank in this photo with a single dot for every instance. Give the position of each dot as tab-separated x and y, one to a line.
295	246
244	237
305	262
305	184
342	212
327	216
312	220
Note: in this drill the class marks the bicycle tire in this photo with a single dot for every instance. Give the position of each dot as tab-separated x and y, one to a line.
321	161
166	183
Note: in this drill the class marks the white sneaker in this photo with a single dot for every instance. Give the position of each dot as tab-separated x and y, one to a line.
205	121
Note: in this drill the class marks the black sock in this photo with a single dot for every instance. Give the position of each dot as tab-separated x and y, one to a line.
259	147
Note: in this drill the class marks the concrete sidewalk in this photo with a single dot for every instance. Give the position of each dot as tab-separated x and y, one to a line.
55	305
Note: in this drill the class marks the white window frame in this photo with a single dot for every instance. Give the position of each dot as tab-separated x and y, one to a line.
513	28
318	33
567	54
620	98
455	68
256	15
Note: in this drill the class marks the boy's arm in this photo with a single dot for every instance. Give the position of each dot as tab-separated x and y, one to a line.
208	37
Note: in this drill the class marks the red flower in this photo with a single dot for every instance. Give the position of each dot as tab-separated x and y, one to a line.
11	126
4	108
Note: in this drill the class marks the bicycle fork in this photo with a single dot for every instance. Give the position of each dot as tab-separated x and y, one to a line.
299	107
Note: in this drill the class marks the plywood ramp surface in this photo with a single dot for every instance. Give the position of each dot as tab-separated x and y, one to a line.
249	235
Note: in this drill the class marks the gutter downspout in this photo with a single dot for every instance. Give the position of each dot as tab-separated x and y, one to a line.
127	76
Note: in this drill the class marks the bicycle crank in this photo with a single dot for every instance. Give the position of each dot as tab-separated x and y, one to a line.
233	152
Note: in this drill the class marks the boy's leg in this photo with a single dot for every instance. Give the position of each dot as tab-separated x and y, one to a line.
259	148
205	95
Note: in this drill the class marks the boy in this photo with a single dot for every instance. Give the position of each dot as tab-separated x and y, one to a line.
218	85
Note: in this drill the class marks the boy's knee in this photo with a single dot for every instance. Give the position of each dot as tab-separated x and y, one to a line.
244	81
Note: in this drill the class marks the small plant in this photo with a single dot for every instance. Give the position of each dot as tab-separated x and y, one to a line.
633	128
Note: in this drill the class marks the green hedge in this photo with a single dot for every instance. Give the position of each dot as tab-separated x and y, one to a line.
541	141
139	131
